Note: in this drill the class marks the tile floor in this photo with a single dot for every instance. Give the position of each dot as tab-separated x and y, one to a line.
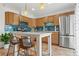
56	51
59	51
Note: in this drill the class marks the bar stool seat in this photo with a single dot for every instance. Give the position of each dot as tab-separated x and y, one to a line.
13	42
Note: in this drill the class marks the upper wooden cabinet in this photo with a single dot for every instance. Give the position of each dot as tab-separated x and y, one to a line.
16	19
56	20
53	19
11	18
40	21
28	20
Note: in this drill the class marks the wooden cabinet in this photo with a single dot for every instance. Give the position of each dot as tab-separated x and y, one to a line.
16	19
56	20
28	20
51	19
32	22
40	21
45	40
11	18
55	38
6	18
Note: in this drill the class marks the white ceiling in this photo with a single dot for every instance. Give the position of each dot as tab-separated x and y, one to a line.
50	9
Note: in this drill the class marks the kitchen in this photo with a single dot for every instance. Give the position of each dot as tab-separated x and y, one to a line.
52	23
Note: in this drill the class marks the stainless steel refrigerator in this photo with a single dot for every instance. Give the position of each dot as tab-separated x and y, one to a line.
66	28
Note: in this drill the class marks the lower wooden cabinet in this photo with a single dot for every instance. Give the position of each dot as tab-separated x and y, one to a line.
55	38
45	39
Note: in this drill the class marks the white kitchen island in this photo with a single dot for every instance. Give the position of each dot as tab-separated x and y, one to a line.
39	36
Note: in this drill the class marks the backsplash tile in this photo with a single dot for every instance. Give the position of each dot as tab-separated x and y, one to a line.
49	28
40	28
23	26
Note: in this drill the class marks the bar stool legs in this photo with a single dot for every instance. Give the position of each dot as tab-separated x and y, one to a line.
26	52
13	50
9	49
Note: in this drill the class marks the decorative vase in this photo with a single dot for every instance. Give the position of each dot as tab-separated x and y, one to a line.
1	44
6	46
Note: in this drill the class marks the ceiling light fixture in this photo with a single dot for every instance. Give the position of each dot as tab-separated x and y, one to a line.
42	6
49	3
25	12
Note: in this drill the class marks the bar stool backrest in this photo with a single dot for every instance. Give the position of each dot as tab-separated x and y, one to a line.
14	39
26	41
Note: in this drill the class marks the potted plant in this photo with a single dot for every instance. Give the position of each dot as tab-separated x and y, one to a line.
1	43
5	38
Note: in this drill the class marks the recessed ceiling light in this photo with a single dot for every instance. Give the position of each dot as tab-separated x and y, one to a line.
49	3
33	9
42	6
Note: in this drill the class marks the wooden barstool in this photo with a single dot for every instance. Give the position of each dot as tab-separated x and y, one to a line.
13	41
25	43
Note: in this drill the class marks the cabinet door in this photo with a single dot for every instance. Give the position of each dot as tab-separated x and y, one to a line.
55	38
6	18
45	39
56	20
51	19
32	22
41	21
27	20
16	19
9	18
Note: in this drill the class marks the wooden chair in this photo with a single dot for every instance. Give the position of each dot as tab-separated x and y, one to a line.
13	41
25	43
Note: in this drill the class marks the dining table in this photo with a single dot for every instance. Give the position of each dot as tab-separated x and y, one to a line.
39	37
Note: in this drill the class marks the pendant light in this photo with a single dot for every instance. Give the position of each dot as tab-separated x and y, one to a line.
41	6
25	12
